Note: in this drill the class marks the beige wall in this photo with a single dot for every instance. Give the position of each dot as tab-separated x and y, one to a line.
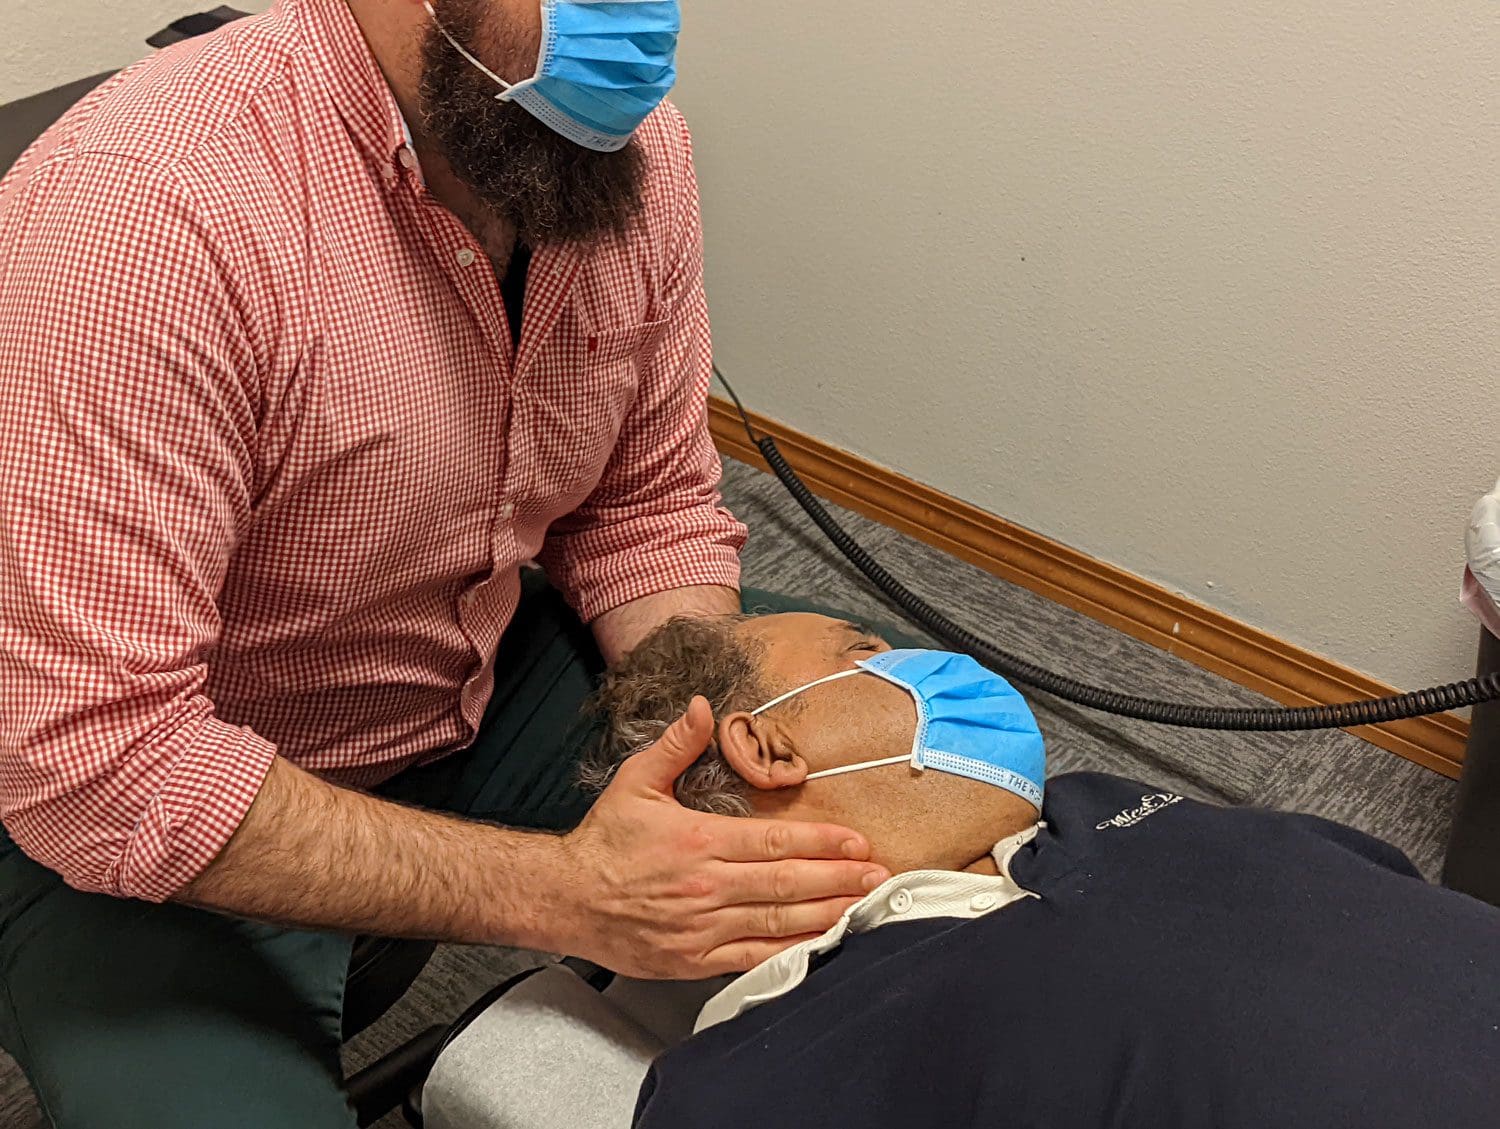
1211	291
45	43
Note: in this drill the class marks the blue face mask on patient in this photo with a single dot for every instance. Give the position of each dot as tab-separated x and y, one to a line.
970	721
603	66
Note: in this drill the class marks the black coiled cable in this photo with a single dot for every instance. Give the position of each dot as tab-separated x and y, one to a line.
1367	711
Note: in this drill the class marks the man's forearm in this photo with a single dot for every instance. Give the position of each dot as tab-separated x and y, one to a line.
618	630
314	855
311	854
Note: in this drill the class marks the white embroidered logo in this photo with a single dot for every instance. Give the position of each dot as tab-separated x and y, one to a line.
1150	804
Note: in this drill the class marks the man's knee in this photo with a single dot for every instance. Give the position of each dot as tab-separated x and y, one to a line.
127	1015
182	1074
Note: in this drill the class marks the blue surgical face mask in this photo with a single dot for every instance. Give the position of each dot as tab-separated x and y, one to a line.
604	65
970	721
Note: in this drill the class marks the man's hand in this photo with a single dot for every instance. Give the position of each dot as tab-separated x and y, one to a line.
643	886
660	891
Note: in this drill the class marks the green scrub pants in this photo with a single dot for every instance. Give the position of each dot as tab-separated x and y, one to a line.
127	1015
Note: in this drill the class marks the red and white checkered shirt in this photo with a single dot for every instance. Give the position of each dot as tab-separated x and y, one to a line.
270	463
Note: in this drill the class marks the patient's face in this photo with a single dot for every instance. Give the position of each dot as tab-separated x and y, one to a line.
913	819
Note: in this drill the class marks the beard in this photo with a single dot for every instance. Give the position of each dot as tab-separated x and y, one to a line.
548	188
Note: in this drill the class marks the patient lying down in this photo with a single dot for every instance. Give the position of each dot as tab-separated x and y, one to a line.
1134	958
759	764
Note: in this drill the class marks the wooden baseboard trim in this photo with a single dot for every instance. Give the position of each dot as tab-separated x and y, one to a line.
1143	610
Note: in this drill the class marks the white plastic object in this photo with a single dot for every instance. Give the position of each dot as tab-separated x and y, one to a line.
551	1053
1482	540
1480	592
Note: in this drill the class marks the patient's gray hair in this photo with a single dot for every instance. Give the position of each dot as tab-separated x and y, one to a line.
652	687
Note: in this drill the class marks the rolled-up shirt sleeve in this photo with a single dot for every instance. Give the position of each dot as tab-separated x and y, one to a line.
656	520
127	426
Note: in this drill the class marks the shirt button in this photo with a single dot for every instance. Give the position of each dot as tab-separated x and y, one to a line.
900	901
982	902
465	258
407	158
507	511
468	598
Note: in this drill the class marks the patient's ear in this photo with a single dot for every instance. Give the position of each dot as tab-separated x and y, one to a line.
758	753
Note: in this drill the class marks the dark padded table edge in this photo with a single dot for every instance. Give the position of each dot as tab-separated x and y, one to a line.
1472	865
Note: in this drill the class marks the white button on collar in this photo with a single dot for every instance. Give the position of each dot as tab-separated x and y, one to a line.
507	511
407	158
465	258
900	900
982	902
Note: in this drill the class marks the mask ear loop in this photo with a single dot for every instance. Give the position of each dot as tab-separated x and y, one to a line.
904	758
907	758
793	693
508	89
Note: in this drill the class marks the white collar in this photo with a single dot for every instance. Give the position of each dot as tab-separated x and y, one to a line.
912	896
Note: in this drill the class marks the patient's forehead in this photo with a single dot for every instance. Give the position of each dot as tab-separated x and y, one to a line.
801	646
796	628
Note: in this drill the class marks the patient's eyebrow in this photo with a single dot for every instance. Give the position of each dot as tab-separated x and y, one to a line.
858	629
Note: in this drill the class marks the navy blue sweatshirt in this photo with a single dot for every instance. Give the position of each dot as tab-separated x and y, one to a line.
1185	965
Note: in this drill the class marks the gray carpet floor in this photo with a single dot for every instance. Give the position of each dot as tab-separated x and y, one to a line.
1328	774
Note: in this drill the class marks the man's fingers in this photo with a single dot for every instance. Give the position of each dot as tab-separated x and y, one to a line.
658	767
797	880
742	956
774	920
767	840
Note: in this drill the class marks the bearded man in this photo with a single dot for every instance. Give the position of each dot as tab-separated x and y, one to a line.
318	333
